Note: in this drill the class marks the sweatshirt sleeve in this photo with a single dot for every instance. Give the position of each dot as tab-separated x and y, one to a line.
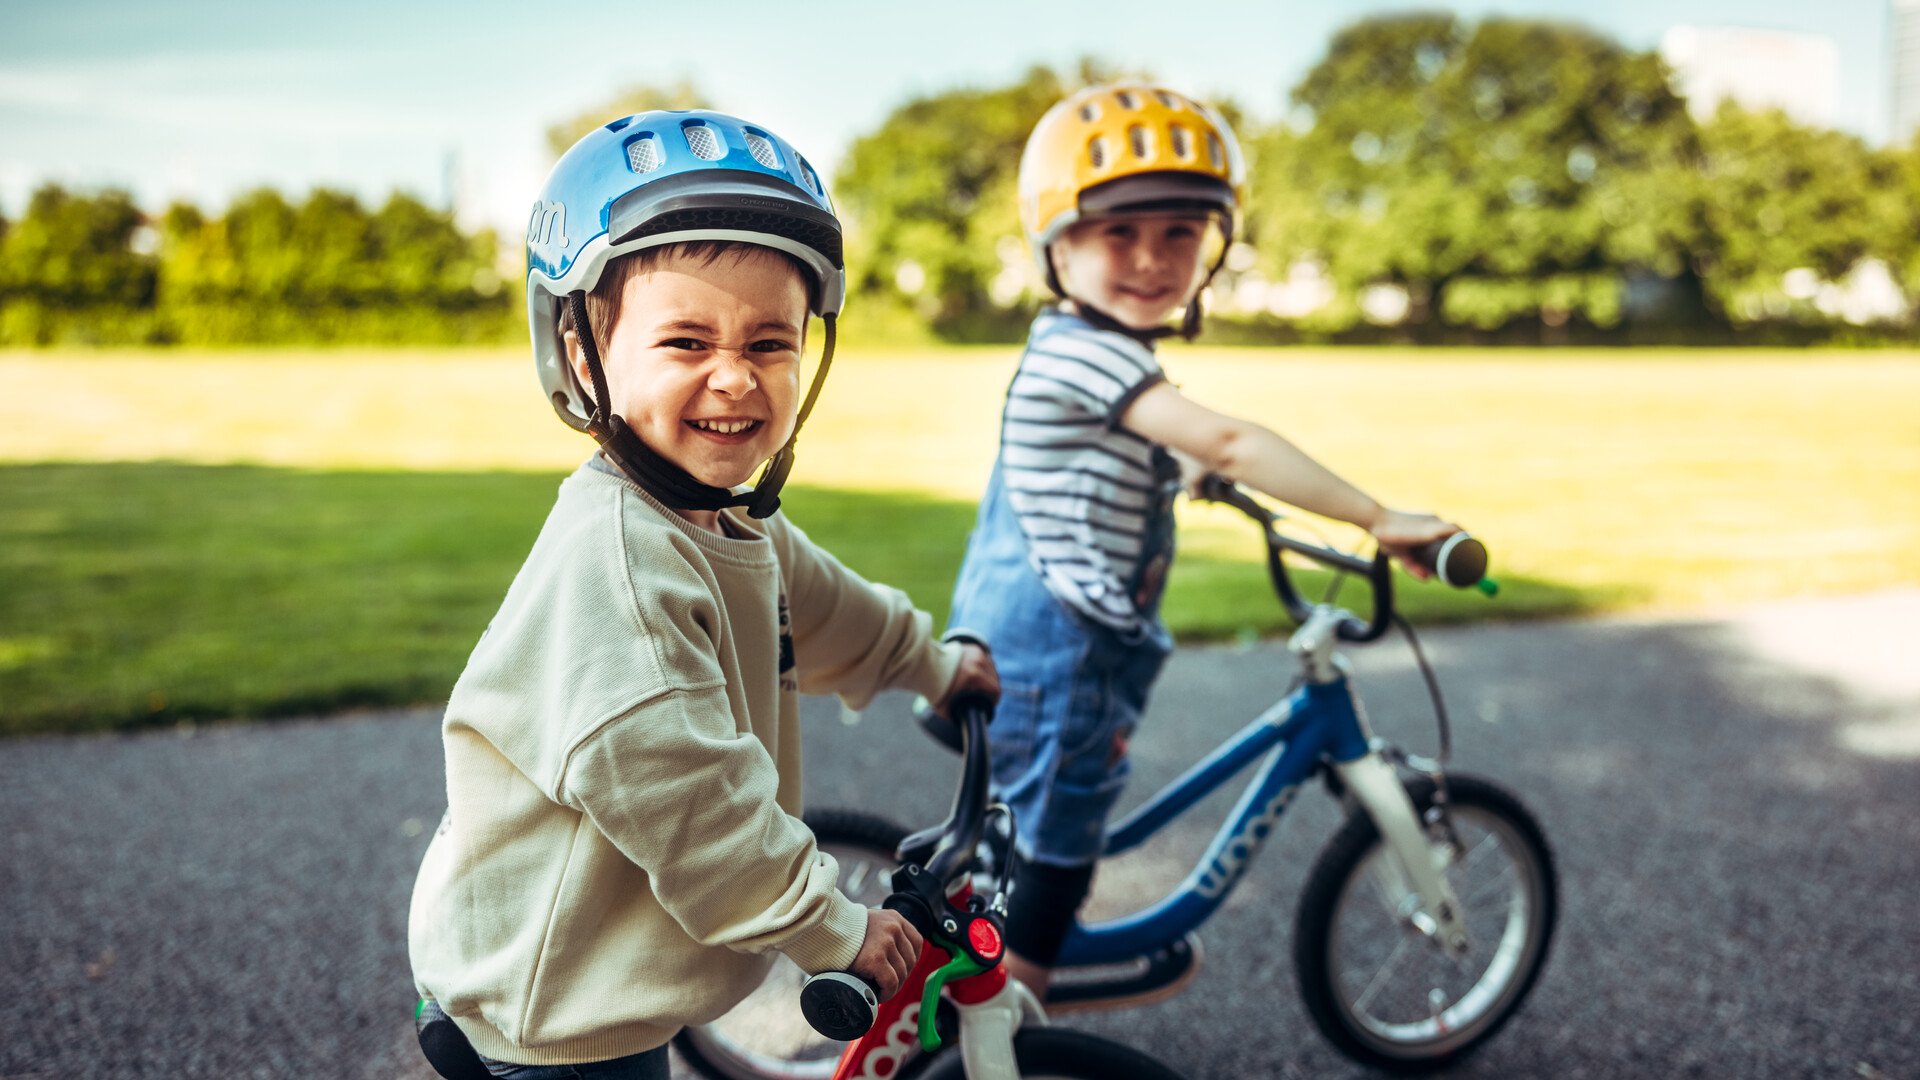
852	637
692	802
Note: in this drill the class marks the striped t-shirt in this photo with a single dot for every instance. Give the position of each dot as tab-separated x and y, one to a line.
1093	499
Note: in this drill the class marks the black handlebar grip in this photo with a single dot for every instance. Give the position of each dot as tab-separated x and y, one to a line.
1458	560
839	1005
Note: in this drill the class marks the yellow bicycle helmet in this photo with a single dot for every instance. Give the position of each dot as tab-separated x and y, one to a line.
1121	147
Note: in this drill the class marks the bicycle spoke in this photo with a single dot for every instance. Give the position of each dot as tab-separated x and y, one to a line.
1465	862
1393	959
1487	891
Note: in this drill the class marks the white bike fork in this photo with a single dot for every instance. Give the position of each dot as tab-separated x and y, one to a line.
1412	869
987	1030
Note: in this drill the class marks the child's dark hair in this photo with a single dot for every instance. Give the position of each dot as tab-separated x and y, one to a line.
603	302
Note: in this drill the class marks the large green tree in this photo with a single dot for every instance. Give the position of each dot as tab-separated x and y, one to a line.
1781	198
427	259
72	251
929	199
1503	170
1904	236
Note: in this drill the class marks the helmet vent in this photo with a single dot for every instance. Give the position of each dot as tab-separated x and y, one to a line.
1167	99
1097	152
806	173
1215	152
1127	100
1089	112
702	140
1141	140
1180	142
762	149
643	154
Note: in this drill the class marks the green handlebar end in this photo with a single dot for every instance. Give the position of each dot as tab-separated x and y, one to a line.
1488	587
959	967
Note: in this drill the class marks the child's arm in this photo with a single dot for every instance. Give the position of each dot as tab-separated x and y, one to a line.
854	638
1246	452
692	800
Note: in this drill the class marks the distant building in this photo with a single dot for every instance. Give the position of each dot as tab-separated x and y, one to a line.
1758	69
1906	69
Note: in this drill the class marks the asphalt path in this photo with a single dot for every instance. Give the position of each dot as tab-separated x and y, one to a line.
1734	803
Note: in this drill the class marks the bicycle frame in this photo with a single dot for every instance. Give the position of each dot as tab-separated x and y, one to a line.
1320	721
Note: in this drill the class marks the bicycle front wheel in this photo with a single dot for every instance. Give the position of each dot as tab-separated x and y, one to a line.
1387	994
1046	1052
765	1037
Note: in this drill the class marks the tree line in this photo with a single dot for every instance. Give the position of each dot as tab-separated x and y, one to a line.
93	269
1432	180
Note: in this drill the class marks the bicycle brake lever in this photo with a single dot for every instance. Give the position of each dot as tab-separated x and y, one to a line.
959	967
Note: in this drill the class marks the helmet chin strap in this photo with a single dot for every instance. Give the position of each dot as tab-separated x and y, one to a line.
663	479
1104	321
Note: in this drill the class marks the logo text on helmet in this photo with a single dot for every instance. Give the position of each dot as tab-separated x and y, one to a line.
547	230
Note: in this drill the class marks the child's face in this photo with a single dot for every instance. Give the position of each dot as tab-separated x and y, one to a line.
704	360
1138	268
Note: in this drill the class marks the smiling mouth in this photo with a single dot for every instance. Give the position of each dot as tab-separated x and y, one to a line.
725	429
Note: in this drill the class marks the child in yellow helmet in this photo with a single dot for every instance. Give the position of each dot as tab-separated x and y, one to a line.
1128	196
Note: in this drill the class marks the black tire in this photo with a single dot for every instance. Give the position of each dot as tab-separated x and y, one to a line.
765	1037
1394	1024
1066	1055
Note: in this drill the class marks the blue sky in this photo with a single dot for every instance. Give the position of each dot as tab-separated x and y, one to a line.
200	99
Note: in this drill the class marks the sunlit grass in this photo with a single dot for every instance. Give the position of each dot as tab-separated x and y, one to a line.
1661	477
137	593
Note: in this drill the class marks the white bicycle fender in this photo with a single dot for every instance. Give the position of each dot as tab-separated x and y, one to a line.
1378	788
987	1029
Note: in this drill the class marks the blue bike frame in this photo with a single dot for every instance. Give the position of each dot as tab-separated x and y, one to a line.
1317	722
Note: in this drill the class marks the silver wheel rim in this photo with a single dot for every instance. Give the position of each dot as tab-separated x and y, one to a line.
1398	990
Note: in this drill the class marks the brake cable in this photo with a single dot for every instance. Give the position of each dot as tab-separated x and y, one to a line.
1441	720
1433	769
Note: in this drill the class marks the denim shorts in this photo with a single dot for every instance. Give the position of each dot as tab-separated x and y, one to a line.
1071	694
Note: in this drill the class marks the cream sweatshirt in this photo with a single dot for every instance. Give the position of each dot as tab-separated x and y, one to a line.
621	852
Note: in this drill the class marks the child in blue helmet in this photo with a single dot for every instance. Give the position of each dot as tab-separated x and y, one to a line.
1122	190
621	854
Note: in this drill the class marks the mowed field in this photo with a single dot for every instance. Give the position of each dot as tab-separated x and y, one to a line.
190	534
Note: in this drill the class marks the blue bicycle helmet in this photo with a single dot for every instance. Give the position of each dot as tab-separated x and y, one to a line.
662	178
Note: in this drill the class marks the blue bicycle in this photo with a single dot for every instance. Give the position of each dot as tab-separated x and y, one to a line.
1424	922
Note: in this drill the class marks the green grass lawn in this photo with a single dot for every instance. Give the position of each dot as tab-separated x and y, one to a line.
201	535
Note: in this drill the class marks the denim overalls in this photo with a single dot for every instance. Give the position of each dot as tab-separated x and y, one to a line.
1072	690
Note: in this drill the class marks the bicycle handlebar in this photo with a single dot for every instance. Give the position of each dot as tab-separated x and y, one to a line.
1458	560
841	1005
960	833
